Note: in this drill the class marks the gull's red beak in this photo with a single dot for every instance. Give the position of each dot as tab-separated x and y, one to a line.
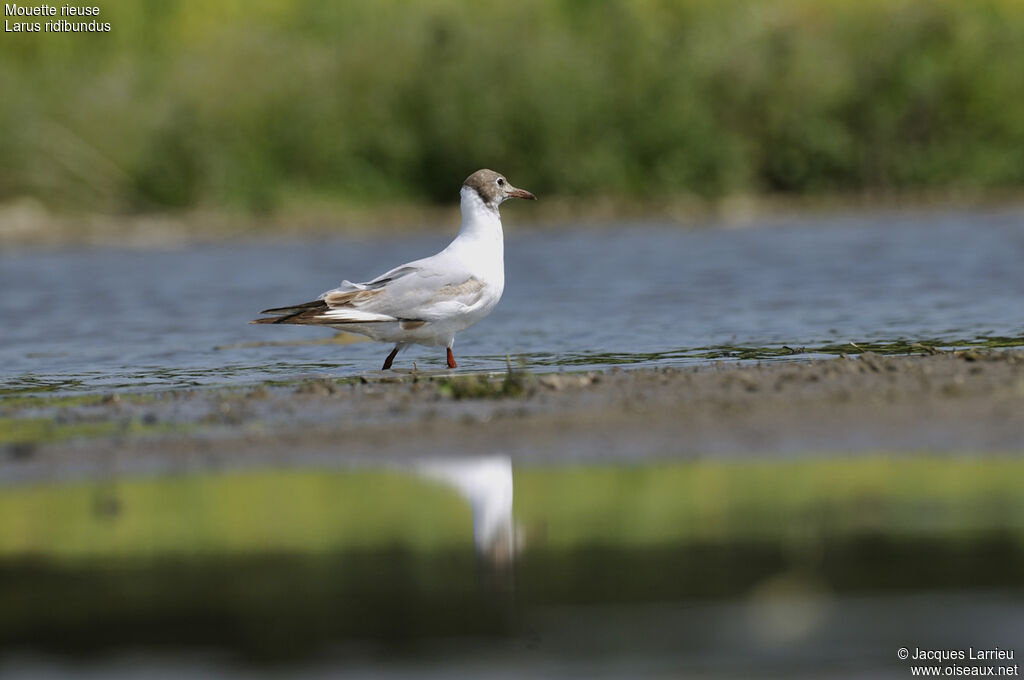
520	193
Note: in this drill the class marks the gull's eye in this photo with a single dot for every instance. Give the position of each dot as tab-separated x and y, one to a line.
501	181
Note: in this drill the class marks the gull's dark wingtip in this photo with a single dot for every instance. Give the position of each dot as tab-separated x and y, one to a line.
292	314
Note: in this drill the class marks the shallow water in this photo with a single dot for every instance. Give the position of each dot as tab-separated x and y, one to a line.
628	294
470	567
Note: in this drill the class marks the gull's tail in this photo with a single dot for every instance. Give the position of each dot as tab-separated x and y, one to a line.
304	313
333	310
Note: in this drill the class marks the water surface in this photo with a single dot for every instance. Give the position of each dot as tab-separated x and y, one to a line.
582	299
796	569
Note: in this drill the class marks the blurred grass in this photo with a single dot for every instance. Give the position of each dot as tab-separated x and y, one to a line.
793	503
271	105
280	512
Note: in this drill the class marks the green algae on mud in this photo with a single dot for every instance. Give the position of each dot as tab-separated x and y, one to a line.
33	418
34	431
483	386
575	507
18	402
32	392
899	347
940	402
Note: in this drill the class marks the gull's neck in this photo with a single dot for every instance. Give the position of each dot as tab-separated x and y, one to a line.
479	221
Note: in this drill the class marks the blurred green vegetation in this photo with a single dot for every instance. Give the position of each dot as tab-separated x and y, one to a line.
791	503
270	104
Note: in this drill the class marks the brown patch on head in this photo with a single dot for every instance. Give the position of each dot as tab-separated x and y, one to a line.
486	184
350	298
493	188
411	325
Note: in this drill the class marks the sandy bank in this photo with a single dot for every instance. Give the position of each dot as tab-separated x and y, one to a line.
964	403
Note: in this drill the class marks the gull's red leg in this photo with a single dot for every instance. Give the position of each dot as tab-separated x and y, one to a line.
391	358
451	359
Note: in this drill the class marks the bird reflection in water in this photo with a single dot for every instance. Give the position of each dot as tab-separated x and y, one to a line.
486	483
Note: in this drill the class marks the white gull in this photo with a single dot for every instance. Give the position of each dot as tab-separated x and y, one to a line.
428	301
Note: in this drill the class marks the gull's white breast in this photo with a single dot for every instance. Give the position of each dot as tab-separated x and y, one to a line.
465	282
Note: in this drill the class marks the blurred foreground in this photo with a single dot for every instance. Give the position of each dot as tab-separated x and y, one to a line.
816	568
795	519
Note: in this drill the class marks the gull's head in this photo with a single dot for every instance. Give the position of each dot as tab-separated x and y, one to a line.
493	189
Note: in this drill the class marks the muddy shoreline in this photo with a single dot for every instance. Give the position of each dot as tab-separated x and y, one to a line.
950	403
